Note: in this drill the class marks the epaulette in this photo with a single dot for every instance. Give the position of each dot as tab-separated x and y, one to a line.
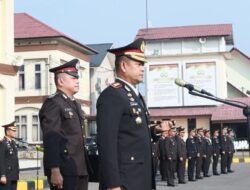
52	95
116	85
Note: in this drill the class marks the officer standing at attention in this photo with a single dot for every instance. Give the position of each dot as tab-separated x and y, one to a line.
171	154
61	119
9	167
162	154
224	144
231	150
191	154
208	152
123	135
182	155
216	151
200	152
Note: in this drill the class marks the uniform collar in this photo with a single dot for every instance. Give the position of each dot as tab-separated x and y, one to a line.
130	85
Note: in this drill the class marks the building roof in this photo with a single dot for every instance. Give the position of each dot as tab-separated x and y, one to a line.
28	27
236	50
195	31
97	59
221	113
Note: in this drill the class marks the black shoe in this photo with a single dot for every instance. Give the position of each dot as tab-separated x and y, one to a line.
182	182
199	177
192	180
230	171
224	172
171	185
207	175
216	174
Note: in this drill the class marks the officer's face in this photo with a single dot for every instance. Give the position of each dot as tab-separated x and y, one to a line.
11	133
133	71
68	84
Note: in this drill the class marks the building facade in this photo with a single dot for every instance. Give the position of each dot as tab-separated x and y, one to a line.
41	48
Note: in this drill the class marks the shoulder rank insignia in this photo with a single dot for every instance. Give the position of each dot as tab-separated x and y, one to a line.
52	95
116	85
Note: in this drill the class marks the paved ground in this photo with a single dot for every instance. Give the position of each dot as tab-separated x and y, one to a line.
239	180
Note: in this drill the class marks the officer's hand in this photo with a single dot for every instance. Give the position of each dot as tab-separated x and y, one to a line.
223	152
170	158
189	157
204	156
115	188
198	155
56	178
3	180
214	154
181	159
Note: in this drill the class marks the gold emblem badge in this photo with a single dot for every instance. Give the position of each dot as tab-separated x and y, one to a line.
142	46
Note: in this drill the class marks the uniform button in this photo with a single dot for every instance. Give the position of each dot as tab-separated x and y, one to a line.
132	158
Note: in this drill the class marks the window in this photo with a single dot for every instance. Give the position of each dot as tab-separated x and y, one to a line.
37	76
36	131
21	124
21	78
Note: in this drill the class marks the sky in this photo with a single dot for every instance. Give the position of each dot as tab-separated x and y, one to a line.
118	21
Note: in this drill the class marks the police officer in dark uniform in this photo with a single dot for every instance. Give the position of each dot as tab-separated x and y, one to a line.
231	150
182	155
123	135
171	154
224	144
216	151
208	152
61	119
200	152
191	154
162	155
9	167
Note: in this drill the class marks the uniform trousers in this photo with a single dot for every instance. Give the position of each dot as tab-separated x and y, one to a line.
10	185
224	162
181	166
198	166
171	168
229	161
163	169
215	163
191	167
72	183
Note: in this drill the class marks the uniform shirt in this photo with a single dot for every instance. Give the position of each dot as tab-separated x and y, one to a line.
191	147
124	139
9	166
61	121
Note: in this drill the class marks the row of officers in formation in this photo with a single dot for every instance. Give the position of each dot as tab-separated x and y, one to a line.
172	153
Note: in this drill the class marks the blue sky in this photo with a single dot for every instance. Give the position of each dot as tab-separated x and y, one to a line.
117	21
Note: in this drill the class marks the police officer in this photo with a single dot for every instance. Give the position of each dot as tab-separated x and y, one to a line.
123	135
162	155
200	152
208	152
191	154
216	151
224	144
61	119
9	167
171	154
182	155
231	150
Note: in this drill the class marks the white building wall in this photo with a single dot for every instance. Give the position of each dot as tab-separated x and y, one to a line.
101	77
238	68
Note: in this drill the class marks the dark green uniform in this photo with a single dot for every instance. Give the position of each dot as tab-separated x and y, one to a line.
9	166
191	154
181	164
